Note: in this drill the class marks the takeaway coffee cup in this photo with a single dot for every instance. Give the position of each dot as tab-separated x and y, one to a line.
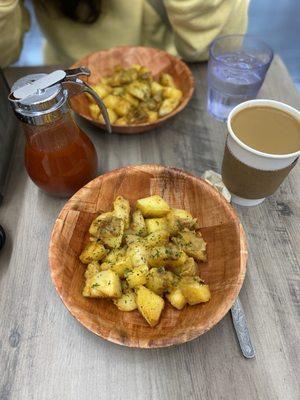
251	175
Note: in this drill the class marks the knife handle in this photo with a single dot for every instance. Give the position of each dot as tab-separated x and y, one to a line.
241	329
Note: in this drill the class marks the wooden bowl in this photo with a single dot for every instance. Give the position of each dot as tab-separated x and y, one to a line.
102	64
220	226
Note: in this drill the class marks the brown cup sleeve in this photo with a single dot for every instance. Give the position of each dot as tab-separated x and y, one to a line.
249	182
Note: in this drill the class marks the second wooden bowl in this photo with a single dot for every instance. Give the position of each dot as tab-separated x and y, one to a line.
219	225
102	64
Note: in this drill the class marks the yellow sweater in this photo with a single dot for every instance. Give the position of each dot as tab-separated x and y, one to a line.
194	24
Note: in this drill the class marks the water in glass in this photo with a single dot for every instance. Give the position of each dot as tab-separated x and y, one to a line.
233	77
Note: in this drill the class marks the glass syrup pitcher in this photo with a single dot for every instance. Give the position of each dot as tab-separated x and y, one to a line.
59	157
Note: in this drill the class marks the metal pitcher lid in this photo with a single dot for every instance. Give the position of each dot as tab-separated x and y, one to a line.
36	95
40	99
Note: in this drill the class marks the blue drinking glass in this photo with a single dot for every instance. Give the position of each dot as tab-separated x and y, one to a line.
236	70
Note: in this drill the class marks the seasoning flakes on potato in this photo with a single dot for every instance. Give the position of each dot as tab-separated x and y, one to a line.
138	257
133	96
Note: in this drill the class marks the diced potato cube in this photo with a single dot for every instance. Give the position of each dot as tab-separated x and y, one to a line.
175	259
148	105
103	284
137	116
93	239
158	98
156	88
122	210
157	238
138	223
121	121
192	244
169	256
122	108
130	238
189	268
153	206
137	253
194	290
158	280
156	224
171	280
167	106
111	114
118	90
94	227
127	302
112	257
94	111
132	100
144	73
102	90
93	251
105	265
184	217
137	67
92	269
121	265
109	229
137	276
172	93
167	80
117	68
105	80
178	219
123	76
86	292
133	73
111	101
152	116
138	89
149	304
176	298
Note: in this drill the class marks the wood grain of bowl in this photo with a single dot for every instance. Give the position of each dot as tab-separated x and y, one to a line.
219	225
102	64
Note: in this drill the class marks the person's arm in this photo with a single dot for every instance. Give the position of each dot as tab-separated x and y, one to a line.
196	23
13	22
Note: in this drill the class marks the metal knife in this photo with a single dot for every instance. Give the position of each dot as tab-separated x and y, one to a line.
241	329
